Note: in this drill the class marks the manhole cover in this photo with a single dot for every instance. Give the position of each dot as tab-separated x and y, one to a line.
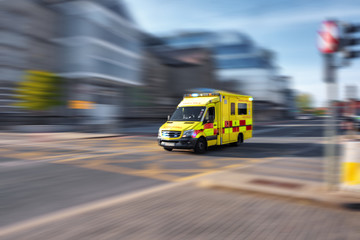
276	184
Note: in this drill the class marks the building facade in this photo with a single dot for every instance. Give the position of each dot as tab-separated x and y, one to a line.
94	46
241	66
27	30
100	55
168	74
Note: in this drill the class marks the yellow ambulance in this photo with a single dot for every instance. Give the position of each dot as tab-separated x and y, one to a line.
204	119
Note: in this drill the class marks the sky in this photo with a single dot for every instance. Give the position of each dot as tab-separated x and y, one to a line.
287	27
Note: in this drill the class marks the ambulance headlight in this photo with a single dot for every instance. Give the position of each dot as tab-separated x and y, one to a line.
159	133
188	133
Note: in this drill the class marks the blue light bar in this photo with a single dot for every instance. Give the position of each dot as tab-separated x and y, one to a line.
201	94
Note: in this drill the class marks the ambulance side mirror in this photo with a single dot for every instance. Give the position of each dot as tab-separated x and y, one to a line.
168	117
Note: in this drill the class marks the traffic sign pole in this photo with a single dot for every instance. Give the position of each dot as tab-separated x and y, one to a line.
329	44
331	168
330	41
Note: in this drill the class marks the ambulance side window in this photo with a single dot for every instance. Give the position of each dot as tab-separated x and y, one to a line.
210	115
232	108
242	109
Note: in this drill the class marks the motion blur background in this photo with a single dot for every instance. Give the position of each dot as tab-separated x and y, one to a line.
81	63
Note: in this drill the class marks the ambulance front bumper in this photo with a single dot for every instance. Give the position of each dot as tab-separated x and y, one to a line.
182	143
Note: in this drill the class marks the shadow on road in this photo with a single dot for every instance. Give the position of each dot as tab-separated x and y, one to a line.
264	150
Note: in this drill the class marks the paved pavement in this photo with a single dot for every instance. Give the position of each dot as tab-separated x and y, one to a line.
187	212
50	176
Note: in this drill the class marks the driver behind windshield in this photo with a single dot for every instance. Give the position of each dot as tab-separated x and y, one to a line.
188	113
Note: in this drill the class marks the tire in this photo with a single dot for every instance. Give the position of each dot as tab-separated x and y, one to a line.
168	149
239	141
200	146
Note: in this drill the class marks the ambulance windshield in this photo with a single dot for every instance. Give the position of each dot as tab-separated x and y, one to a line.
188	114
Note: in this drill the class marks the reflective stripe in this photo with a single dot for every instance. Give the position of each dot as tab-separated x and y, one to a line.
209	132
249	122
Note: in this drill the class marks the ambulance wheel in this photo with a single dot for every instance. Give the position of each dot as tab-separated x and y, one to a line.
239	141
200	146
168	149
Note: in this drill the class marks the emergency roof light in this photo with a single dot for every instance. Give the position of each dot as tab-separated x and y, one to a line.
201	94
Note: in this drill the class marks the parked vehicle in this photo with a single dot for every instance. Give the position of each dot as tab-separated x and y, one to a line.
207	119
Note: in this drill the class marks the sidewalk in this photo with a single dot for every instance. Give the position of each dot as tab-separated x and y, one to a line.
290	177
187	212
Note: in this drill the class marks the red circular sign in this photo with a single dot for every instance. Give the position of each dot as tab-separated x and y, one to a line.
328	39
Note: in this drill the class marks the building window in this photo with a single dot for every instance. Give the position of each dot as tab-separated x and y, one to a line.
242	109
232	108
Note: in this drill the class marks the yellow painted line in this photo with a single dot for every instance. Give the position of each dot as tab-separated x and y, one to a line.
22	156
96	156
207	163
183	170
73	159
179	160
232	166
220	169
129	171
52	155
195	176
153	166
93	162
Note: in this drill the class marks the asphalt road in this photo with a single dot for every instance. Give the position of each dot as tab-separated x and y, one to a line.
40	177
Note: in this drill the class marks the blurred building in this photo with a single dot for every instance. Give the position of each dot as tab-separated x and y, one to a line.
100	54
287	93
94	45
26	30
168	74
351	92
241	66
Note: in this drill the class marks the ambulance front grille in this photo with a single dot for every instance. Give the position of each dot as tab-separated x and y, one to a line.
171	134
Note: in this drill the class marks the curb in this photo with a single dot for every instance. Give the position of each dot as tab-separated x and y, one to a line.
311	192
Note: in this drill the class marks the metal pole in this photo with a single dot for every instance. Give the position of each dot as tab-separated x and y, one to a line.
331	161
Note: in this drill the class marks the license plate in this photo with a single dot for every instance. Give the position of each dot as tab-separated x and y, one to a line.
168	144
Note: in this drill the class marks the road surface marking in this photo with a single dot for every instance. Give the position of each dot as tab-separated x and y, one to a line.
183	179
130	171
